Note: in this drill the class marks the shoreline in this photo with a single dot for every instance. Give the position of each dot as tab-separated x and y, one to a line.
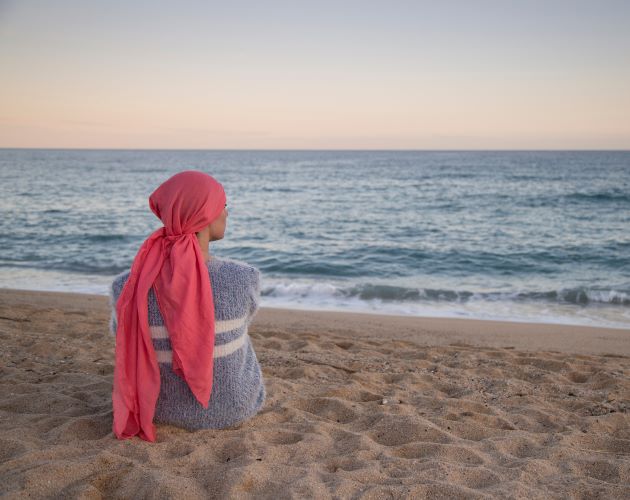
576	339
597	315
448	318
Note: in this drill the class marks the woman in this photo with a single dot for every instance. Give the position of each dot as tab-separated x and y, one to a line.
180	316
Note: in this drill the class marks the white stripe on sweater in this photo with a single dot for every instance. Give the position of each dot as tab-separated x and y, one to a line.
160	332
219	350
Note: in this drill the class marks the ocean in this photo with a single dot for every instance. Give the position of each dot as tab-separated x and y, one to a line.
503	235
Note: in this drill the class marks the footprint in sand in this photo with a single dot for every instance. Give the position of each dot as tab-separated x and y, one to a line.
332	409
283	437
451	453
10	449
90	428
179	449
394	430
353	394
578	377
344	345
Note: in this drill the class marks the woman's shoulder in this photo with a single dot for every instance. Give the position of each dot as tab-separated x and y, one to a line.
234	270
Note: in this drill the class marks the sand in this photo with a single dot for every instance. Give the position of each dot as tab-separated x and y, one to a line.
359	406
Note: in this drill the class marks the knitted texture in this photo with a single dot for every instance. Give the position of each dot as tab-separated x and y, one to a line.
238	390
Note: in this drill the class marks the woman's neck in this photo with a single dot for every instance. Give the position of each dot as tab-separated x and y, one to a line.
203	237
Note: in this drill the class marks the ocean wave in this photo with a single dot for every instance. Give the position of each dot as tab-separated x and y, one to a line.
279	189
86	267
287	264
106	238
317	292
600	196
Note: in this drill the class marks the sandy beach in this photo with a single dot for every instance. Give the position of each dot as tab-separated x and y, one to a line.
359	406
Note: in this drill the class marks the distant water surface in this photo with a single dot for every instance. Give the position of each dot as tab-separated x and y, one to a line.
524	236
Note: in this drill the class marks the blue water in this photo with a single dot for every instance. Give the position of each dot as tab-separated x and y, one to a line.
525	236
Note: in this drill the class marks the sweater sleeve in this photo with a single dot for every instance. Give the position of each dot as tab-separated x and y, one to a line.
253	294
113	321
114	292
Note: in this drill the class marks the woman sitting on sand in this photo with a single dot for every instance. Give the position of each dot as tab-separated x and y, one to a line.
180	316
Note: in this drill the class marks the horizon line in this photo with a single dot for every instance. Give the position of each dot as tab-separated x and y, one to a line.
317	149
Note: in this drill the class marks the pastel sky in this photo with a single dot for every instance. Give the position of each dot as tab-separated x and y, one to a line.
473	74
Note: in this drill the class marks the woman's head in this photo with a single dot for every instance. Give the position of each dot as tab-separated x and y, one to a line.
190	202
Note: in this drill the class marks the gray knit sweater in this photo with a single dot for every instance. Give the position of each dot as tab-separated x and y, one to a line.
238	390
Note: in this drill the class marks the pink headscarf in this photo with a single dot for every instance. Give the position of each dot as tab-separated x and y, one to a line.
172	262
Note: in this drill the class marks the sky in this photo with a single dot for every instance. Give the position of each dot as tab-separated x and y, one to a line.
342	74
